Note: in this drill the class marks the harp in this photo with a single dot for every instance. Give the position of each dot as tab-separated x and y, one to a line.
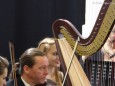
65	31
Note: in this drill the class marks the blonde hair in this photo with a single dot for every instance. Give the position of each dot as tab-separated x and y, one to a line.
45	44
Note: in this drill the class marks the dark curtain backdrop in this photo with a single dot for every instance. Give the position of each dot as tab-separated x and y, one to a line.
26	22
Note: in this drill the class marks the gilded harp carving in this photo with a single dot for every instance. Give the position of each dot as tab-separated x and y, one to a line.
99	34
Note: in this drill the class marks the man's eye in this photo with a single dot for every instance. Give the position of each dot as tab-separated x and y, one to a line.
42	68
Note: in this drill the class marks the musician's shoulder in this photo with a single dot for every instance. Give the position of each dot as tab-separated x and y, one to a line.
18	81
10	82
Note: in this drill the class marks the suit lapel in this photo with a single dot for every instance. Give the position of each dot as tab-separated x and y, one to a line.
19	82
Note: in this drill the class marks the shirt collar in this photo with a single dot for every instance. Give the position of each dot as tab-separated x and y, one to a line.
25	83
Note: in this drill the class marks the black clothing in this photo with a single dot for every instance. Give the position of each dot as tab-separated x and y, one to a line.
20	83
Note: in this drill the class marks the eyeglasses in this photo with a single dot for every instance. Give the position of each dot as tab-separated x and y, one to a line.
112	41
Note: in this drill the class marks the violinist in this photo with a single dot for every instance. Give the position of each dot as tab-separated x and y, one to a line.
3	70
33	69
16	67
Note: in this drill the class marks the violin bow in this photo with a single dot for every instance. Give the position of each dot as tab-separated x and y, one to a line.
12	56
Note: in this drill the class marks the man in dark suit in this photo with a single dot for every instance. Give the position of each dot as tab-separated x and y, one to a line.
33	69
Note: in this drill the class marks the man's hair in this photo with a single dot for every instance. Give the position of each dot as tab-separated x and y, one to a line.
3	64
27	58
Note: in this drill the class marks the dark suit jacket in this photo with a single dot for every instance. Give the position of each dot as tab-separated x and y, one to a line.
19	82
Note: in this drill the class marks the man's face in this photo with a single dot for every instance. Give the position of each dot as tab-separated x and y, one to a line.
37	74
3	78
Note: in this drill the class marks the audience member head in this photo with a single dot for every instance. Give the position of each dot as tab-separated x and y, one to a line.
109	47
3	70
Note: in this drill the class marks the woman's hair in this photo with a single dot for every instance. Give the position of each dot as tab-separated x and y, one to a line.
45	44
3	64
